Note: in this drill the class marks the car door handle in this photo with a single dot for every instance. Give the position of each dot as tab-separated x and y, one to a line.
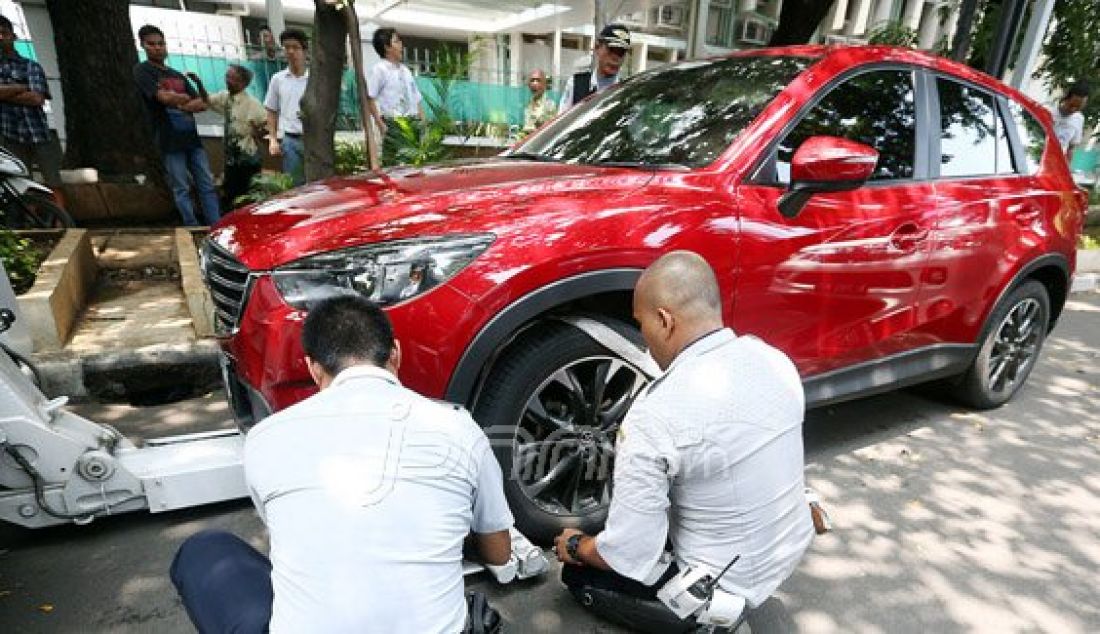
907	236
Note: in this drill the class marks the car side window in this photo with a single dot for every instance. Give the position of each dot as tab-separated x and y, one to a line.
1032	135
969	141
876	108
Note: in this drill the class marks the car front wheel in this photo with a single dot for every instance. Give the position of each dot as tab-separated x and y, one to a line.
552	408
1008	349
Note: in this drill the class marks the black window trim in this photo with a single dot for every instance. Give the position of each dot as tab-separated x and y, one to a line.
921	155
1015	147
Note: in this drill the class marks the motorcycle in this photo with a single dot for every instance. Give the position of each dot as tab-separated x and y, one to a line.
25	204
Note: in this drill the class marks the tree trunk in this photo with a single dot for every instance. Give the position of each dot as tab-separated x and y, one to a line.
369	129
106	126
321	101
798	19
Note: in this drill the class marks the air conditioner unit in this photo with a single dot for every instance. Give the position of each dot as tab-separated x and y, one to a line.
671	17
753	32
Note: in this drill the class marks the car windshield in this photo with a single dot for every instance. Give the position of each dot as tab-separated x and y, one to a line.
683	116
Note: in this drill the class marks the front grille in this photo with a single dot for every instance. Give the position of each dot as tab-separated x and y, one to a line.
229	282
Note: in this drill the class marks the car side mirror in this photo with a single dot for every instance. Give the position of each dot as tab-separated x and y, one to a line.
826	164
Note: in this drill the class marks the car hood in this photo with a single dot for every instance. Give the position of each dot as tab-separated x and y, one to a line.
455	197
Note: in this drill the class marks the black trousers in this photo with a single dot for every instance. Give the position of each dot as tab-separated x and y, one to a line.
624	601
238	178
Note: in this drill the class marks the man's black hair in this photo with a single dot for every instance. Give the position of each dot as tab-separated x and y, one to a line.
244	72
295	34
148	30
382	39
342	331
1078	89
4	21
264	27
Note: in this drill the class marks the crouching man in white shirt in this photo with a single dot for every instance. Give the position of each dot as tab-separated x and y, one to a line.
368	491
709	458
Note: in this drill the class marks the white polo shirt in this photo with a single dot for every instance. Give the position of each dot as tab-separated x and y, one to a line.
284	96
710	456
393	87
368	491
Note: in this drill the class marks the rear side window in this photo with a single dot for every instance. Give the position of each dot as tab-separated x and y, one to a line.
1032	135
876	108
970	142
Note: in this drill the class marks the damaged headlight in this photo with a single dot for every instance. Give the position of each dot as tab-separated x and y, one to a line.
385	273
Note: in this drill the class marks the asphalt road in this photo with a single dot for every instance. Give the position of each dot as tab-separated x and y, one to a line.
946	521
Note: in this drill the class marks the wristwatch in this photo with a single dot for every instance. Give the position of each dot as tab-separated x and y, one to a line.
572	543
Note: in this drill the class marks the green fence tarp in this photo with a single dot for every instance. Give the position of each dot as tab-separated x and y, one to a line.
468	101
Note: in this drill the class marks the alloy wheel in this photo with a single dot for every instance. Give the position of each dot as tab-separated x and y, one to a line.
1015	345
564	443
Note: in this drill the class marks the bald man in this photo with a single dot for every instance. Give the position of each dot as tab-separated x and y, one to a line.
541	108
709	458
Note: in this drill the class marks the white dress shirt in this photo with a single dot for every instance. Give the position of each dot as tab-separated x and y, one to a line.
710	456
393	87
284	96
368	491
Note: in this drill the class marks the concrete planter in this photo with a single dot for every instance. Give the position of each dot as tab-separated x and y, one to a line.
61	289
198	299
1088	261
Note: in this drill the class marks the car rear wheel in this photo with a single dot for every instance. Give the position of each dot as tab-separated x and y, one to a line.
1008	349
552	409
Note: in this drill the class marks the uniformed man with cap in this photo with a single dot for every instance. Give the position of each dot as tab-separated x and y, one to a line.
611	47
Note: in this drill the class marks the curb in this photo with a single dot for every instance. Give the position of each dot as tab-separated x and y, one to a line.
1085	282
114	375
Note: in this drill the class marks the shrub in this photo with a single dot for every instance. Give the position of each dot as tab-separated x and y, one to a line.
264	186
20	258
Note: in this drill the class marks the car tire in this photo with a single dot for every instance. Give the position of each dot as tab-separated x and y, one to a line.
1008	349
556	449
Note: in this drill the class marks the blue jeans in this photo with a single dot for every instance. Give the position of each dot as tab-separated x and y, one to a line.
293	152
183	167
224	583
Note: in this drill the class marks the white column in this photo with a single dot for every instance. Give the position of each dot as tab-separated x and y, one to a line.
860	18
556	65
929	28
835	20
948	30
641	54
748	5
697	43
1033	42
883	13
515	48
911	17
275	18
673	56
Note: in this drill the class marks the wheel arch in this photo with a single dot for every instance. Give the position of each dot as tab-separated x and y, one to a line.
605	292
1052	271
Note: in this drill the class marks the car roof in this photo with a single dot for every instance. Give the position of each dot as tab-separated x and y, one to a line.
849	55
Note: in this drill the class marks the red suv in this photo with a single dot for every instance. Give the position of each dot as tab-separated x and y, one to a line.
883	216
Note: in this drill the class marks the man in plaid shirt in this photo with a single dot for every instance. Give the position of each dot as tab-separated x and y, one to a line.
23	125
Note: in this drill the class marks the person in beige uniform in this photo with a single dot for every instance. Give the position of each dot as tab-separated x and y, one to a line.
243	120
